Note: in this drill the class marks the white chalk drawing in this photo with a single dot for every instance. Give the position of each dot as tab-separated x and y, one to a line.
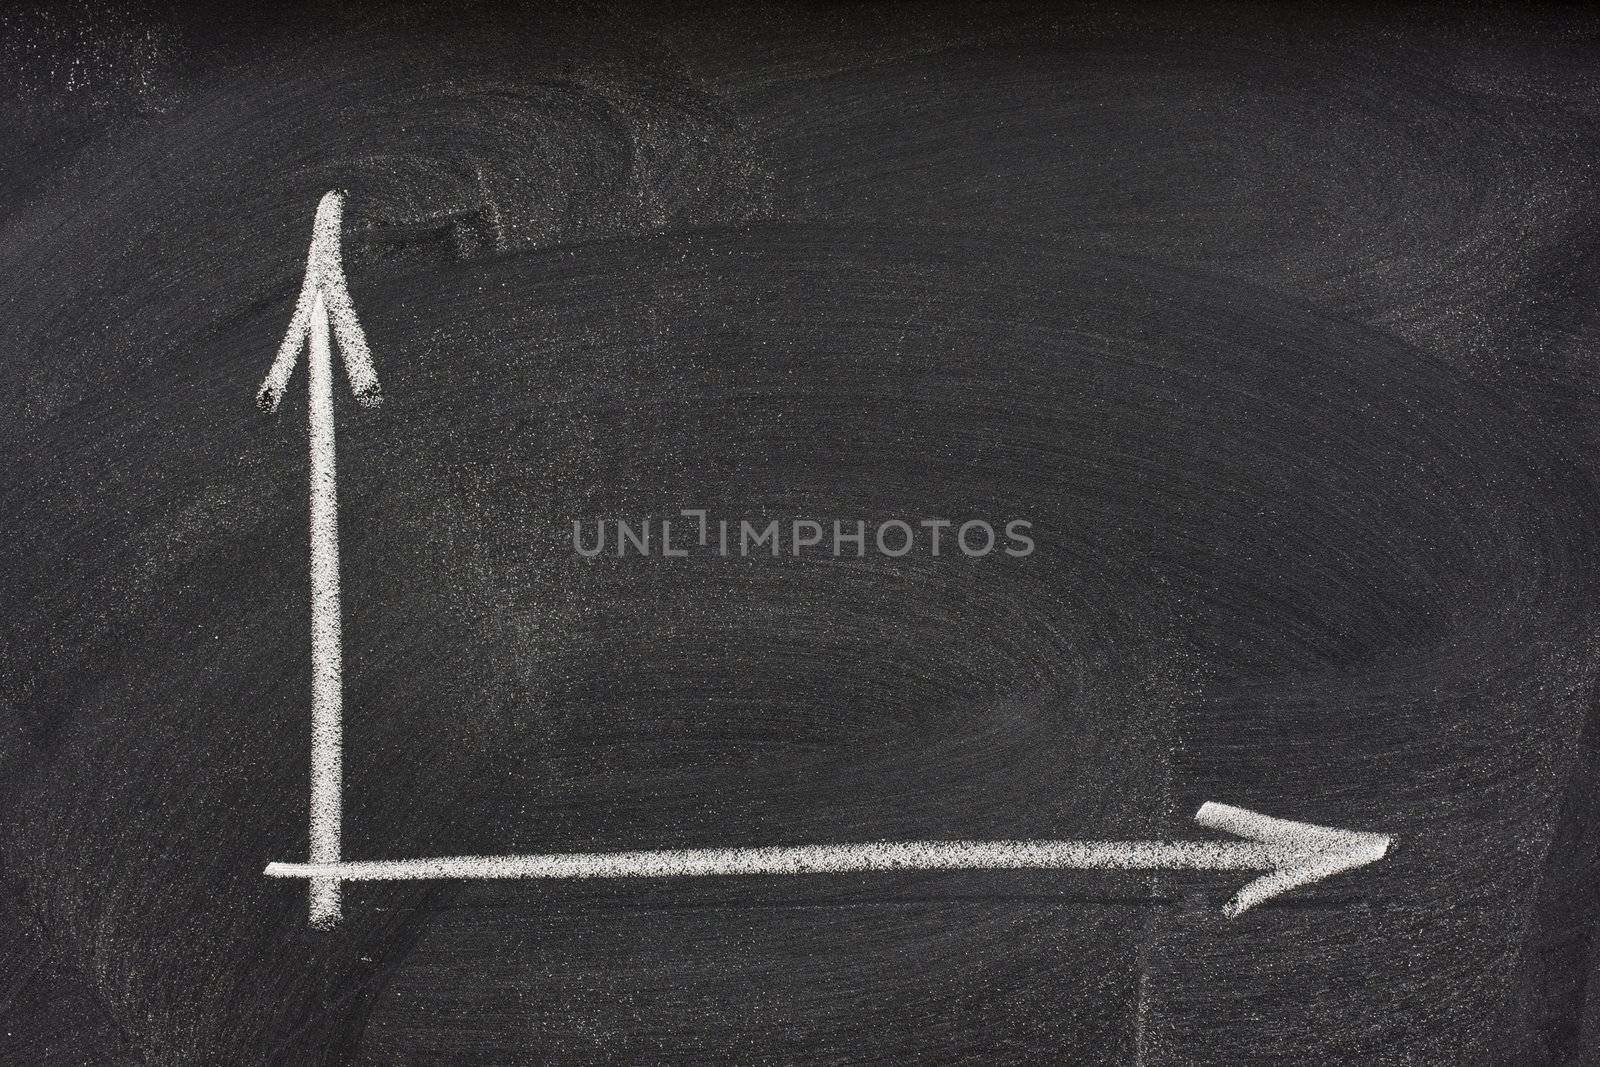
1291	853
1286	854
324	277
323	296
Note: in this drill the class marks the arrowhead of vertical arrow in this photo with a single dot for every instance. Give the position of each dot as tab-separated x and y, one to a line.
325	277
1304	852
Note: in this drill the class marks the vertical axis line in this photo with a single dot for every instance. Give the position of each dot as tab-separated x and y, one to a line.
327	695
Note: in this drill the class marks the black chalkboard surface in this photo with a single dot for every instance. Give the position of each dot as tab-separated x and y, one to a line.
799	534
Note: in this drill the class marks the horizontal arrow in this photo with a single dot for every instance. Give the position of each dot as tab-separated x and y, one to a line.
1291	854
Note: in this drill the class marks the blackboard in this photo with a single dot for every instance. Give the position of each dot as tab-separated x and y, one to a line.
857	533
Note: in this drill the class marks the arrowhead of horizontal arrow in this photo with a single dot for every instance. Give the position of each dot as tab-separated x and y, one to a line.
324	277
1304	852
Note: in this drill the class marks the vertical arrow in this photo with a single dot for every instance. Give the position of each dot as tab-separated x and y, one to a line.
327	653
324	311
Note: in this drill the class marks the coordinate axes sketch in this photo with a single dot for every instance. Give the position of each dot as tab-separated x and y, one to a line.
799	534
1290	853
